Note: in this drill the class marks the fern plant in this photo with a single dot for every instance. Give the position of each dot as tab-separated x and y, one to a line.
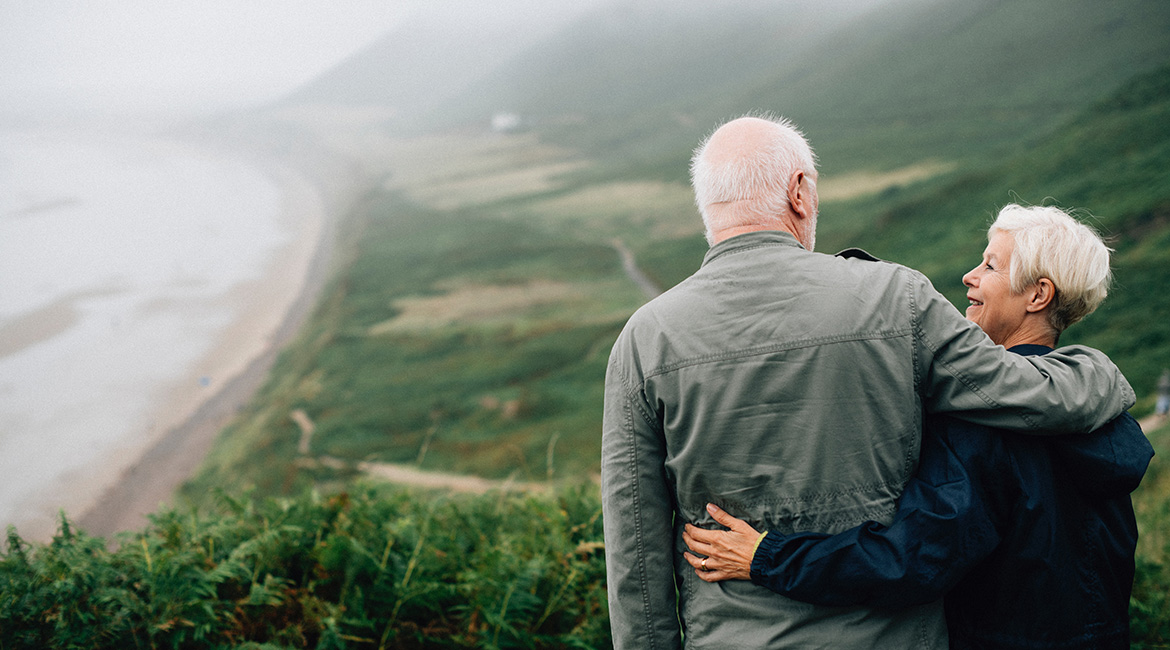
360	570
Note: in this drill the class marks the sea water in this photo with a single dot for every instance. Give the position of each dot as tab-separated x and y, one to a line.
117	253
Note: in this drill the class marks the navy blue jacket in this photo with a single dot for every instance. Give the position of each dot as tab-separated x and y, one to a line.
1031	539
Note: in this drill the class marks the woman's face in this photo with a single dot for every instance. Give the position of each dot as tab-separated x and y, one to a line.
994	307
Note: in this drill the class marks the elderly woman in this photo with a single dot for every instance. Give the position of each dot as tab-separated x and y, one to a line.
1031	539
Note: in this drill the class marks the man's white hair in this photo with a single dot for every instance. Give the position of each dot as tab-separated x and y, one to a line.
758	176
1049	243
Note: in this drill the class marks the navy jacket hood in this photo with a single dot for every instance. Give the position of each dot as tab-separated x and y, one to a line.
1107	463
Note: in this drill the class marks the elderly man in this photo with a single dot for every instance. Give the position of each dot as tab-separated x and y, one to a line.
788	387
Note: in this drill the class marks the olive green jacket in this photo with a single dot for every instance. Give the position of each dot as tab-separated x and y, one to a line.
788	388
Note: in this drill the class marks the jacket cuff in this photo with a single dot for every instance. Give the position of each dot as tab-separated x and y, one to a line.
756	546
766	547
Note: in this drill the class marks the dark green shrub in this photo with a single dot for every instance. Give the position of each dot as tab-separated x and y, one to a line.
357	570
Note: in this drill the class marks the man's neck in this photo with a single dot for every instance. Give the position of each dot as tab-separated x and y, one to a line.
728	233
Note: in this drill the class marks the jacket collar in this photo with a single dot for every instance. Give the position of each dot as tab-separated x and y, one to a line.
1028	350
750	240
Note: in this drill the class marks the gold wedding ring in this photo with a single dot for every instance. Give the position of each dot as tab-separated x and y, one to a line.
704	564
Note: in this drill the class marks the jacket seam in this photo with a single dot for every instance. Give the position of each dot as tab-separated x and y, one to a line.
634	393
920	333
858	519
639	533
748	247
822	496
915	318
777	347
912	455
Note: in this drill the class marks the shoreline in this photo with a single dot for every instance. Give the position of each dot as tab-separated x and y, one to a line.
239	362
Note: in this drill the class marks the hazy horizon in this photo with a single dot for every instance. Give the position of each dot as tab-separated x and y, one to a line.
78	60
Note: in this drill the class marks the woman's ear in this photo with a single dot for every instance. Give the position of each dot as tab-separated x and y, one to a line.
1040	295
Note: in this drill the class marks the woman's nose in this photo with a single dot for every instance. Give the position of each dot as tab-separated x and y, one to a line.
969	278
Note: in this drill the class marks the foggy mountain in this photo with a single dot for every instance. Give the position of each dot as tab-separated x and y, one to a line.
446	67
436	54
637	81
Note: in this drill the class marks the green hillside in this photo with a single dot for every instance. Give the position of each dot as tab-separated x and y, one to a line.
965	78
1113	161
875	86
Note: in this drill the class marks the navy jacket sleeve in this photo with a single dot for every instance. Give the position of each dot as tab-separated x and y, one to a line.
945	524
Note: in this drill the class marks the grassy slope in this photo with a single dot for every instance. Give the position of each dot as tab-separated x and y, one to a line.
908	81
468	332
966	78
1114	161
481	394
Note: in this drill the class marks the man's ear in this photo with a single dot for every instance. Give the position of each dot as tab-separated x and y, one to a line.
800	197
1041	295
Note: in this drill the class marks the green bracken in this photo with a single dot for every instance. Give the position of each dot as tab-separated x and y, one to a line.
355	570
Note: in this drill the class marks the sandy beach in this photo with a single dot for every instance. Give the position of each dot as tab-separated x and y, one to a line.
269	312
120	484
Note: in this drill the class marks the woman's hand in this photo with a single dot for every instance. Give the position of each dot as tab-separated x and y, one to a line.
729	552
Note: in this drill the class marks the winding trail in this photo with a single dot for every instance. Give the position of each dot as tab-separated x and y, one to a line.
415	477
1151	422
630	266
401	474
408	475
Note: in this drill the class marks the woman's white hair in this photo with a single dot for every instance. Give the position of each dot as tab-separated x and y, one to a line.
758	176
1049	243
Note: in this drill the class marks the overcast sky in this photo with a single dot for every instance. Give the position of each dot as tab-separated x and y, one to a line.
131	54
145	55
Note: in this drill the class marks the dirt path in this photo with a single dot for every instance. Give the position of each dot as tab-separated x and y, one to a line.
411	476
401	474
414	477
630	266
1151	422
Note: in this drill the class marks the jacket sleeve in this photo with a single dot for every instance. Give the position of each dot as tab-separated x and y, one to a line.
1073	389
945	525
638	513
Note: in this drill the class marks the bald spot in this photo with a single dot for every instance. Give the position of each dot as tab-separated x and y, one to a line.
737	136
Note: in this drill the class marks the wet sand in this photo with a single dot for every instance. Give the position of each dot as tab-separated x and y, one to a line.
269	313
